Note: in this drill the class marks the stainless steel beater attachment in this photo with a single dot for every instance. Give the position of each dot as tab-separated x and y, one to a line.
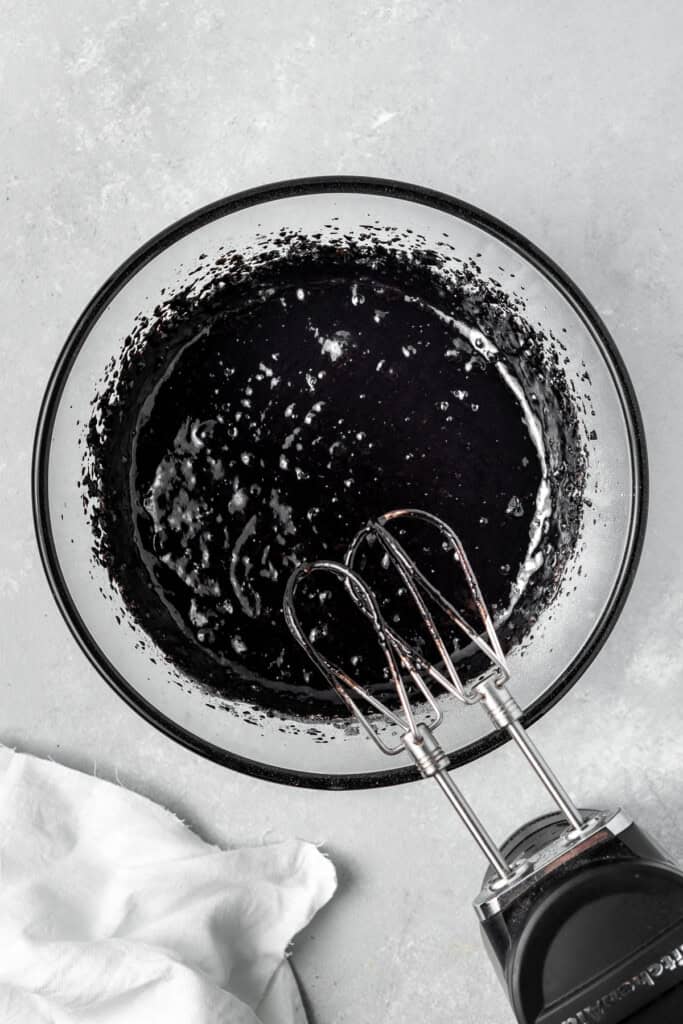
404	661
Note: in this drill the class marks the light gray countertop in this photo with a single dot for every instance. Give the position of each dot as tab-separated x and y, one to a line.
566	121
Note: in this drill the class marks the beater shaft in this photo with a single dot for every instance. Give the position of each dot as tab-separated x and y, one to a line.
550	781
473	825
433	762
506	713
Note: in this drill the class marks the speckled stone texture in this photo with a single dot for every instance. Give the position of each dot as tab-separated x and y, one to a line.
564	120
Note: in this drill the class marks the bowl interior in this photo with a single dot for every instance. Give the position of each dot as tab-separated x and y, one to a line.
595	578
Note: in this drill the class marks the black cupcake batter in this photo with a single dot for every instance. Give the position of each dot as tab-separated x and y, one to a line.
251	428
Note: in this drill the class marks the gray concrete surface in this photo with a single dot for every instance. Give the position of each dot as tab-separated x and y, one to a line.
563	119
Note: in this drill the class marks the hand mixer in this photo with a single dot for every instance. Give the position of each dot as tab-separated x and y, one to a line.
580	912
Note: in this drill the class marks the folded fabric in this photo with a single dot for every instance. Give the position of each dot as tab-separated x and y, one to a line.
113	911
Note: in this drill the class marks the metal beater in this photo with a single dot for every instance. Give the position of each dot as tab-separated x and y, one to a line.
490	689
581	914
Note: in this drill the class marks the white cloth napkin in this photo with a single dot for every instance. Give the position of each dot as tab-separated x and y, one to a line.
113	911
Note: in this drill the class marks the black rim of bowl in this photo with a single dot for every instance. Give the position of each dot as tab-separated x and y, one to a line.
311	186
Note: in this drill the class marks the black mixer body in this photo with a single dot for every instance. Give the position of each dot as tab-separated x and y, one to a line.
593	931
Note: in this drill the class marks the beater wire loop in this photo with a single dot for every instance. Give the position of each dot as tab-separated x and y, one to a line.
402	659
